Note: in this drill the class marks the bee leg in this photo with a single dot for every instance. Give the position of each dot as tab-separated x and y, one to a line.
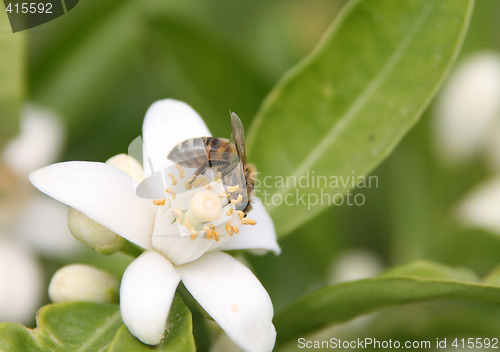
199	171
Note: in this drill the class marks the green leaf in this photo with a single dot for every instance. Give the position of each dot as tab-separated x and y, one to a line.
179	337
85	327
493	278
430	270
11	76
416	282
346	106
14	337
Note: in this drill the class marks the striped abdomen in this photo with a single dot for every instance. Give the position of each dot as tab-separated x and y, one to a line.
195	152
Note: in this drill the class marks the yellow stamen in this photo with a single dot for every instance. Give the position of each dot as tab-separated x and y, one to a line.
218	177
247	221
208	186
240	214
237	201
235	229
159	202
174	180
199	181
209	232
212	233
224	195
229	229
181	171
191	229
179	215
230	212
233	188
188	185
171	192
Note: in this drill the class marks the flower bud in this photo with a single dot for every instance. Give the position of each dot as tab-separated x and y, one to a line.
127	164
93	234
79	282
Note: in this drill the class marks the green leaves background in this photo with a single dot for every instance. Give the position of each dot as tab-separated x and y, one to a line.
360	91
345	107
12	72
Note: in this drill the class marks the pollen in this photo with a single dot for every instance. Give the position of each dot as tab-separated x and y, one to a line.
181	171
191	229
223	195
159	202
199	181
240	214
188	185
233	188
238	200
171	192
208	186
212	233
229	228
174	180
247	221
235	229
179	215
230	212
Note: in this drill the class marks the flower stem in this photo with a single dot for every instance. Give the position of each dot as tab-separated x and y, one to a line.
131	249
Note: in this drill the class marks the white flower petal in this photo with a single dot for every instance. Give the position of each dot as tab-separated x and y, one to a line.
234	297
180	250
39	142
43	226
259	236
147	289
468	106
167	123
480	208
20	283
103	193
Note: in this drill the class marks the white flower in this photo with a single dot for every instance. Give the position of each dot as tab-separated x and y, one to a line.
469	108
20	283
30	223
354	264
225	288
480	207
34	218
39	142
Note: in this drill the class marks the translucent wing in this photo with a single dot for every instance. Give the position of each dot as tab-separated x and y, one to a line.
238	137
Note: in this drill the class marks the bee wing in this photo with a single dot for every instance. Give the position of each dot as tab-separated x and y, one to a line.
238	137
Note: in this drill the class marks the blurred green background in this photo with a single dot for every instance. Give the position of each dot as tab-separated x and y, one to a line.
101	65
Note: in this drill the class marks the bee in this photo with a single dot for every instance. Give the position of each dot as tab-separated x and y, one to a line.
223	156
